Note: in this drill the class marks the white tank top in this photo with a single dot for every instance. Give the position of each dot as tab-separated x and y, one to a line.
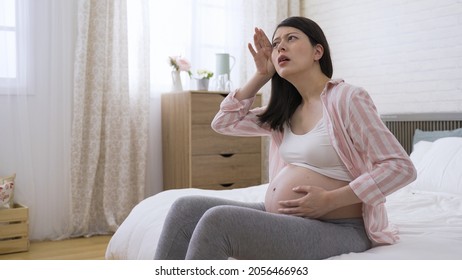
313	150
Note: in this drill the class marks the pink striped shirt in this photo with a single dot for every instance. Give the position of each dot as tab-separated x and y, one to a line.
375	159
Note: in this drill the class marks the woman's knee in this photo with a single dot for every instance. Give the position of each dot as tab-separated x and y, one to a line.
219	220
221	214
185	203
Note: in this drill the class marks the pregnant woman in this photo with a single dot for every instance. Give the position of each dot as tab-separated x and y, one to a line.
332	162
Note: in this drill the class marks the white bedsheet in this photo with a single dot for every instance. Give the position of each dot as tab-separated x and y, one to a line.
430	225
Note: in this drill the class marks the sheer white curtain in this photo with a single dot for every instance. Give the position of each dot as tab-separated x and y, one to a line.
198	29
35	109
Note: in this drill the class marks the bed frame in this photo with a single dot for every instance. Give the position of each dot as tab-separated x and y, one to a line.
403	126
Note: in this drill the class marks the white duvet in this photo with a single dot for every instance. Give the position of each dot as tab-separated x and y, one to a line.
428	212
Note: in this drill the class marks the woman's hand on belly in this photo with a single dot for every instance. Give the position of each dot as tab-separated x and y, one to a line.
314	204
302	192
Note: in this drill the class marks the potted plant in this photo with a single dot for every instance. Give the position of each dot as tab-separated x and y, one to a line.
203	78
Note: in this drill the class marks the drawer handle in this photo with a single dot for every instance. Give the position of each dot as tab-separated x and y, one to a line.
227	185
224	94
226	155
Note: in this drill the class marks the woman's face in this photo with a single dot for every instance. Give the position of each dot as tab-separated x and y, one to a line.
293	53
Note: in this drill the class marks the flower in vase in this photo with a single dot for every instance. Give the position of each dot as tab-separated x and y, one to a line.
179	63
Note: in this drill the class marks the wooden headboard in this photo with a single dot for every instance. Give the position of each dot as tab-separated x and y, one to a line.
403	126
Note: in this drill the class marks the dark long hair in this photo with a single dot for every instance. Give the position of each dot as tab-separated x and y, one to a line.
285	98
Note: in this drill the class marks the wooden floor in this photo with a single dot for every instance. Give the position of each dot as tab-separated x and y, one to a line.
91	248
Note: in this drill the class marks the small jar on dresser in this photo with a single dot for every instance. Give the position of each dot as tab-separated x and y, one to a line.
196	156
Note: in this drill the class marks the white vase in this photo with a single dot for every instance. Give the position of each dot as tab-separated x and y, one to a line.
176	81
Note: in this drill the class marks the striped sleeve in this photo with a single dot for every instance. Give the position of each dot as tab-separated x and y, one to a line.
389	168
235	117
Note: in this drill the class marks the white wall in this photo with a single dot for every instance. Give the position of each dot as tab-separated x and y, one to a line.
406	53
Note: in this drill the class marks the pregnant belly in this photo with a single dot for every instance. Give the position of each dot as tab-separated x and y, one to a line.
291	176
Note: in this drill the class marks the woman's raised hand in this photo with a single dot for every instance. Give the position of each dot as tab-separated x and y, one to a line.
262	53
265	68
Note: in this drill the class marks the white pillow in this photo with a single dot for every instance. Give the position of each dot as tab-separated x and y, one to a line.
419	150
439	169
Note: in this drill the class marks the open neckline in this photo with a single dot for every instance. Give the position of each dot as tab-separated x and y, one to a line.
309	131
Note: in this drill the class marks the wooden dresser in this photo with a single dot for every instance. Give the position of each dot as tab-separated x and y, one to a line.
196	156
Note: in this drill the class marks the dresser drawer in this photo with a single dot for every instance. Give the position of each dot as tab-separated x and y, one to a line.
196	156
204	107
205	141
216	169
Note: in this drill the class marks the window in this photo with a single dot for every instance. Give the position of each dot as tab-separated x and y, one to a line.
194	29
8	41
209	33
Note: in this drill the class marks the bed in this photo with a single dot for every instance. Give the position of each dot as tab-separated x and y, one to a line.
428	212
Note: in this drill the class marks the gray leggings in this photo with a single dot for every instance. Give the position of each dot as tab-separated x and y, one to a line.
207	228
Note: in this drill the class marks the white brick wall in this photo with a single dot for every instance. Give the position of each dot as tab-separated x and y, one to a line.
406	53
